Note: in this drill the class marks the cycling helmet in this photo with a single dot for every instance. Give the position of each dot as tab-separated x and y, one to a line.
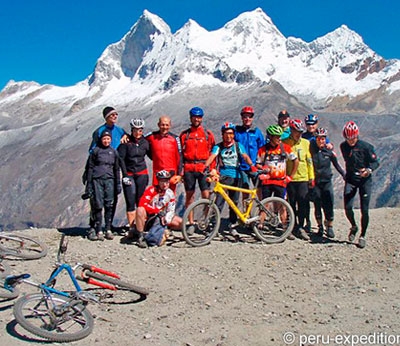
284	113
137	123
163	174
228	126
350	130
274	130
247	110
321	132
296	125
311	119
196	112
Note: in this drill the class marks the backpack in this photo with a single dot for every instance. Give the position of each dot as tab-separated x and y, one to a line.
155	235
187	132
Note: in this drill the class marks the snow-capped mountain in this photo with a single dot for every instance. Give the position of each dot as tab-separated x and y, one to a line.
45	129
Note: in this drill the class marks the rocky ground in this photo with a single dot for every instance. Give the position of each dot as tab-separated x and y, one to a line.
236	293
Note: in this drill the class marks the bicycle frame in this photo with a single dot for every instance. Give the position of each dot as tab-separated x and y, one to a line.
244	217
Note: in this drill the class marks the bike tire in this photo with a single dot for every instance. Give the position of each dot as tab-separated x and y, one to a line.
274	230
123	285
6	294
22	246
205	226
35	320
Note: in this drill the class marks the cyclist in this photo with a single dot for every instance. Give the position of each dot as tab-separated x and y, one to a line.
133	166
229	154
361	161
311	121
273	157
165	151
252	140
157	199
283	121
197	143
303	179
119	136
103	183
322	159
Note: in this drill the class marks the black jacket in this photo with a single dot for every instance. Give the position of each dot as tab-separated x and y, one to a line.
133	154
103	163
322	159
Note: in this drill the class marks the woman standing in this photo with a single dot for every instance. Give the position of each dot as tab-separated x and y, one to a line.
133	166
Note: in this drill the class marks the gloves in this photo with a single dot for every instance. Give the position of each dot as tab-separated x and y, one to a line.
311	184
253	169
206	170
119	189
126	181
288	179
175	179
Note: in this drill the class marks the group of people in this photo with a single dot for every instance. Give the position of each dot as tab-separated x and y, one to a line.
297	157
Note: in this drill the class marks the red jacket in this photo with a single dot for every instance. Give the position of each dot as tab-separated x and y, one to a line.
165	151
196	148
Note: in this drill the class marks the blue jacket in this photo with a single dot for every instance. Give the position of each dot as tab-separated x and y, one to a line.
116	132
252	139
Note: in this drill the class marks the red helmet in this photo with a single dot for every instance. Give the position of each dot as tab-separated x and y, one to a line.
296	125
350	130
247	110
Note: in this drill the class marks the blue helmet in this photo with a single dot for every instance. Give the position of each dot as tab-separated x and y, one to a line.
311	119
228	126
196	112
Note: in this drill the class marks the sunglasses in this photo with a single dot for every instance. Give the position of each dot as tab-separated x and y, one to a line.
249	116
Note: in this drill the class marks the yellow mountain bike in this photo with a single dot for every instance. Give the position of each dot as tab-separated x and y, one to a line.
271	219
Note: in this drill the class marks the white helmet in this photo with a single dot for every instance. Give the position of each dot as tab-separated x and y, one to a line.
137	123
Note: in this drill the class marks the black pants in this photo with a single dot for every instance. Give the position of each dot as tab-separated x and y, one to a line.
350	191
324	200
134	192
276	190
297	192
103	197
233	195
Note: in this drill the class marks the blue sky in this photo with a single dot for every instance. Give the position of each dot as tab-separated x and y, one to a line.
58	42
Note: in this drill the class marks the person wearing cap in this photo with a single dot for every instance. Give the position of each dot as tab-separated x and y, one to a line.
283	121
323	158
361	161
103	184
165	151
303	179
119	136
197	143
134	169
252	139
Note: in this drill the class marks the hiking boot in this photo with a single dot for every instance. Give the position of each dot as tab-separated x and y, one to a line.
190	229
307	227
234	233
353	232
302	234
330	232
109	235
141	242
92	234
362	242
100	236
321	231
291	237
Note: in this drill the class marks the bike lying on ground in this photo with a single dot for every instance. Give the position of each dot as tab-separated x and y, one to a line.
63	315
21	246
271	219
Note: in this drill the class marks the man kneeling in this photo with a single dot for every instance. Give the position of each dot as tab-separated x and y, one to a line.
157	201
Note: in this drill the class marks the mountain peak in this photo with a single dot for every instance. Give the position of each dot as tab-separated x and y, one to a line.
157	21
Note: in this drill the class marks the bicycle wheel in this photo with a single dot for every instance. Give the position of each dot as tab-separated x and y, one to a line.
276	220
206	221
22	246
53	318
122	285
6	294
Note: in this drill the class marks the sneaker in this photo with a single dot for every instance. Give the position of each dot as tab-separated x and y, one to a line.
321	230
92	234
362	242
330	232
303	234
109	235
234	233
353	232
307	227
291	237
190	229
100	236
